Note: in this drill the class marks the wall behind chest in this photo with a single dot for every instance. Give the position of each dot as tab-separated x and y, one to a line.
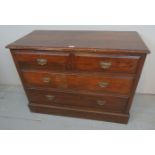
9	76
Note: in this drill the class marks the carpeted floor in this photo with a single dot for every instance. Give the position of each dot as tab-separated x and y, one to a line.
14	114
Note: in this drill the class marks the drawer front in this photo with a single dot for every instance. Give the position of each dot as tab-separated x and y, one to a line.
85	82
43	60
106	63
98	102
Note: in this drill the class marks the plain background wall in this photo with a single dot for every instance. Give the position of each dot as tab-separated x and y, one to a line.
8	34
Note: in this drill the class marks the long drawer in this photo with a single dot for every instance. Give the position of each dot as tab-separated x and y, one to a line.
97	102
85	82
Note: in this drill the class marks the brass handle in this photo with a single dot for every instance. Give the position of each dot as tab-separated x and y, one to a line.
103	84
42	62
105	65
50	97
46	79
101	103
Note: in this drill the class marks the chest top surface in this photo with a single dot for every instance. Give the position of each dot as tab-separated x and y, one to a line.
104	40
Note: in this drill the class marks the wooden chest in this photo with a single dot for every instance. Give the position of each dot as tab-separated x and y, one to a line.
87	74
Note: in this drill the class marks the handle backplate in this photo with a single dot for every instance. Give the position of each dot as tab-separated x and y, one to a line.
46	79
103	84
105	65
101	102
50	97
42	62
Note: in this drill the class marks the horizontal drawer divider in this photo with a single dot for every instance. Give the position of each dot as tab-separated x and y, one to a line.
82	73
78	92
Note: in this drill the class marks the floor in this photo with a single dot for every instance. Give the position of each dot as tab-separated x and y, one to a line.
14	114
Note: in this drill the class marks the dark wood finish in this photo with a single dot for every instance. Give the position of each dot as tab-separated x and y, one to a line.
53	61
139	70
85	82
94	102
104	40
95	63
81	113
80	73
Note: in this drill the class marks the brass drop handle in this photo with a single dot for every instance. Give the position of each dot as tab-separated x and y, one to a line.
42	62
46	79
101	103
103	84
105	65
50	97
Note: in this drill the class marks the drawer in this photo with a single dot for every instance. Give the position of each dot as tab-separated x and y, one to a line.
95	102
106	63
79	82
57	61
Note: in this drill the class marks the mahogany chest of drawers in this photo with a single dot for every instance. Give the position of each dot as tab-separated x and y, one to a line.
87	74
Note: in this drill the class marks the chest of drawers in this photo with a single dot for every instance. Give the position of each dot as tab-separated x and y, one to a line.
86	74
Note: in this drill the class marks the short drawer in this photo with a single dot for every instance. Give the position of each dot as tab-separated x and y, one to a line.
106	63
97	102
79	82
57	61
